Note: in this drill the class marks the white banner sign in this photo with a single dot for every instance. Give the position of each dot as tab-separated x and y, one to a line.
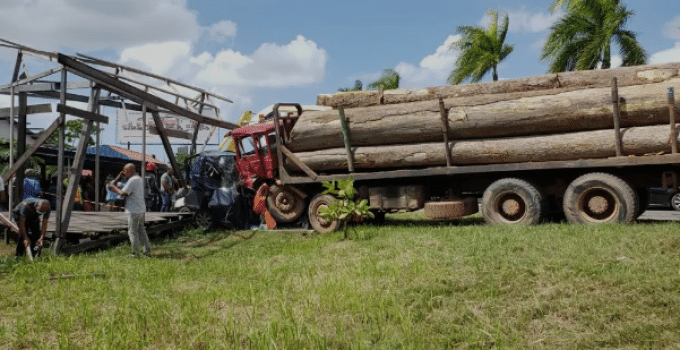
180	130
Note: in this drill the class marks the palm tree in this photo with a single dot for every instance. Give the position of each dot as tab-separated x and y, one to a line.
481	50
582	39
388	81
358	86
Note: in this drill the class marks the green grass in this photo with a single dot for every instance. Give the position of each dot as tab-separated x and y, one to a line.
411	284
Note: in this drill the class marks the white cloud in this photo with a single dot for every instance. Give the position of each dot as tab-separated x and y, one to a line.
671	29
298	63
433	70
523	21
93	25
158	58
222	30
666	56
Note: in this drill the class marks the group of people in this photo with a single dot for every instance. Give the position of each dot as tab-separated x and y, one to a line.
128	189
158	194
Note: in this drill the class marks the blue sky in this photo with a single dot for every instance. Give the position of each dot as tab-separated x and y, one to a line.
261	52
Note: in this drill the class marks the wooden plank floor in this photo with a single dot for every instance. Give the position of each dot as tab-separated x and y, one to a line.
106	222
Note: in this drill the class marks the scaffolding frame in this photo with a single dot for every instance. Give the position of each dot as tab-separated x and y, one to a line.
129	92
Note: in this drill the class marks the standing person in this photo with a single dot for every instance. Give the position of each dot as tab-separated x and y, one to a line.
133	191
32	187
27	215
111	196
153	194
167	189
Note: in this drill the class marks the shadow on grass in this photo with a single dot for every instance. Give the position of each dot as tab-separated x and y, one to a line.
203	247
433	223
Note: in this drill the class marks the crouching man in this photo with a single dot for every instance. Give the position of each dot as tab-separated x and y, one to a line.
31	215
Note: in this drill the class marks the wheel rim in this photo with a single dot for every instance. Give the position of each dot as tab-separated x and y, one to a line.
203	219
284	204
511	207
320	219
285	201
598	205
675	201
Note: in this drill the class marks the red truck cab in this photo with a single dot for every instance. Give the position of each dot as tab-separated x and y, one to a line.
256	155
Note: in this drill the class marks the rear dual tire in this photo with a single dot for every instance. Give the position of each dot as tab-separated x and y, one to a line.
600	198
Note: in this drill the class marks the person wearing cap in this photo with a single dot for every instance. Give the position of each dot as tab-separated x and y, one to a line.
133	191
27	215
31	185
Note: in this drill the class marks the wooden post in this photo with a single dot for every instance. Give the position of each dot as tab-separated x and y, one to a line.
59	235
143	170
445	129
21	143
346	138
617	127
10	187
167	146
671	110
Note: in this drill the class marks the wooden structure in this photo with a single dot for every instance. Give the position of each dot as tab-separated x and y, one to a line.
95	230
110	85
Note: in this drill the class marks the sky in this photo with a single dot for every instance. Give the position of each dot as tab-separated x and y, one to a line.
260	52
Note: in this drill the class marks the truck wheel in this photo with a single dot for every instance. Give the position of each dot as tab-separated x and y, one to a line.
600	198
513	201
319	224
284	204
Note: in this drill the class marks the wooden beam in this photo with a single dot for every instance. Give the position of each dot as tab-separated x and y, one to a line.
59	241
21	143
46	87
32	109
82	114
346	139
17	66
168	147
130	92
74	176
41	139
172	133
293	158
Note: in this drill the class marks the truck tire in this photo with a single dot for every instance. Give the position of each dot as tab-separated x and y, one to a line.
513	201
600	198
319	224
284	204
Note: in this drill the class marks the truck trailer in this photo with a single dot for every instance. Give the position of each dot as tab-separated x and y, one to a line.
586	144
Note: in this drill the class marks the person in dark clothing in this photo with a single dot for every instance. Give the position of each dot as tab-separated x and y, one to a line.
27	215
152	195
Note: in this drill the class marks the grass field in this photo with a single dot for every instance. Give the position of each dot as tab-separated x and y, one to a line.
410	284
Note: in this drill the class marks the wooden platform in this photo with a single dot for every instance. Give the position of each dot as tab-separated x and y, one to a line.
90	230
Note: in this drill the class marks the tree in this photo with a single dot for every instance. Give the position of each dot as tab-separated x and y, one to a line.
358	86
388	81
72	134
582	39
481	50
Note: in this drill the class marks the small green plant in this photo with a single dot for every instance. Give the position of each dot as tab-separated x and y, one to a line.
345	208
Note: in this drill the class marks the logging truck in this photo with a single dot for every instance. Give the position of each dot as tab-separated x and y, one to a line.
587	144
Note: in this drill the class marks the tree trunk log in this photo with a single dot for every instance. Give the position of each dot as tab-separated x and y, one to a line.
636	141
486	116
566	80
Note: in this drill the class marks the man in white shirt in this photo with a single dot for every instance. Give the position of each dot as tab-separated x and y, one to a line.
133	191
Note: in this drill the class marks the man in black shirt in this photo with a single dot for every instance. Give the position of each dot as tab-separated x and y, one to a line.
27	215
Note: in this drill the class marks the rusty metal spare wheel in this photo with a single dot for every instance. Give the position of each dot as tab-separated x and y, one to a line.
451	208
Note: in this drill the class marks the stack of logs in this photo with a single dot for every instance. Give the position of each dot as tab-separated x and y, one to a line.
563	116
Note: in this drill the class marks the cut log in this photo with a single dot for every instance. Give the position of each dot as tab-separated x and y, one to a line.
570	146
570	80
486	116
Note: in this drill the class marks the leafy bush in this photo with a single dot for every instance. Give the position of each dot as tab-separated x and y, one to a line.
345	208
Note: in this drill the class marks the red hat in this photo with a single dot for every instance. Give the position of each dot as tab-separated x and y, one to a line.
151	167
